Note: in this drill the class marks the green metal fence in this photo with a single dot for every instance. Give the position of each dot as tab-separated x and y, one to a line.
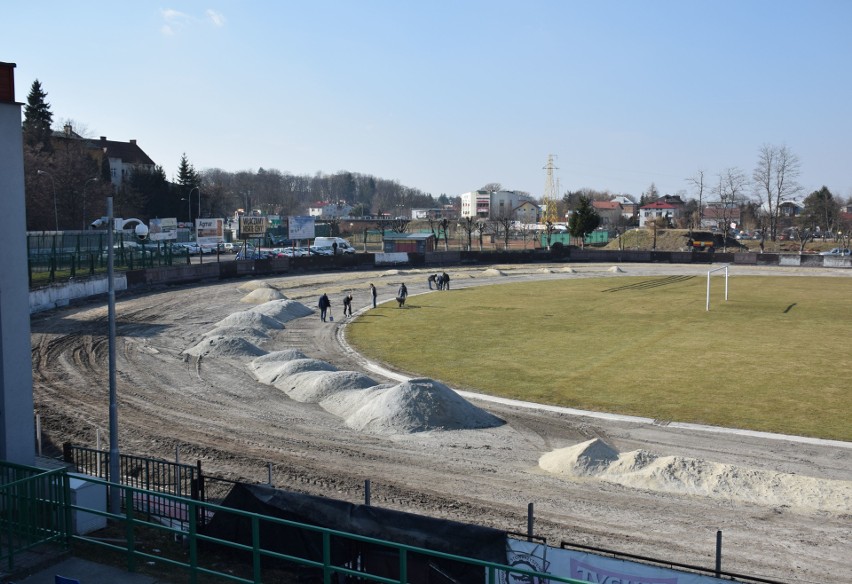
34	510
37	509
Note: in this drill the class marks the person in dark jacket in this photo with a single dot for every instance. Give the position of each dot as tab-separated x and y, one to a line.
324	304
445	277
373	293
431	280
347	304
401	295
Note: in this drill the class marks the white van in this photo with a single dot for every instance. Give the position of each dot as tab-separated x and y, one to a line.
342	245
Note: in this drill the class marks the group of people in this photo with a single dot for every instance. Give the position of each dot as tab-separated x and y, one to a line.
324	303
441	281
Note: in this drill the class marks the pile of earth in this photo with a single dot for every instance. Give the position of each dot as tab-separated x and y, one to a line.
417	405
640	469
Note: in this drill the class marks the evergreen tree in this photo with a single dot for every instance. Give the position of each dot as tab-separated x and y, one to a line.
37	119
584	219
187	177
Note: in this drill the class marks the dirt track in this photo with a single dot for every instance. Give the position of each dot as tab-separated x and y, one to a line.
216	412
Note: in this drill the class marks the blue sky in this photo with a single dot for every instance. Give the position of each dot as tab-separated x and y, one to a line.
448	96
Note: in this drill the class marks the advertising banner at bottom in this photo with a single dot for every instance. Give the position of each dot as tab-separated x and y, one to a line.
587	567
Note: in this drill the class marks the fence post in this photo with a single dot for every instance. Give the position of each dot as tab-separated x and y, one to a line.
718	553
529	522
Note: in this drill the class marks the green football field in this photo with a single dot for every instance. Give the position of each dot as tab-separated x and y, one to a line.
775	357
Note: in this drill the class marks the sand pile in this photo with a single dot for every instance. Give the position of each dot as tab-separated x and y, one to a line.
253	285
250	319
277	356
492	273
418	405
567	270
316	386
271	371
689	476
616	270
225	346
388	273
262	295
283	310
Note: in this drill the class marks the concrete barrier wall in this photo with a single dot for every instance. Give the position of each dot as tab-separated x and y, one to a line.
58	295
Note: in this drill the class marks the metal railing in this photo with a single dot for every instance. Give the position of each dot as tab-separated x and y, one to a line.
39	503
34	510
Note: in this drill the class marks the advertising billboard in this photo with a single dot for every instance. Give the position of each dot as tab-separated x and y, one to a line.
252	227
209	231
162	229
301	227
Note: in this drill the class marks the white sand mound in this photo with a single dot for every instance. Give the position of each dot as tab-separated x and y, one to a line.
615	270
272	371
315	386
250	318
491	272
387	273
640	469
277	357
283	310
586	458
254	285
262	295
224	346
545	270
568	270
253	333
418	405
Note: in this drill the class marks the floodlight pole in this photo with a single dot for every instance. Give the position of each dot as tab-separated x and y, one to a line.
114	478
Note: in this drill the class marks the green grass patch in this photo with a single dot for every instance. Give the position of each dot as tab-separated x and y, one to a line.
773	358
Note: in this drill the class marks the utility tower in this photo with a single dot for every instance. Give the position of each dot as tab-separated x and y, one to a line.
549	199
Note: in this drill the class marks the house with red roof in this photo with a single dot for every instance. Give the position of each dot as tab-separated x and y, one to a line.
659	208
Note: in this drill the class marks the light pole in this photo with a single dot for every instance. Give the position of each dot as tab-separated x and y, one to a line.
55	211
95	179
188	208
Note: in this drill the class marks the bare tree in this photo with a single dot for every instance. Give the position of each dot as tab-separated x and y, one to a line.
775	179
503	227
731	192
468	226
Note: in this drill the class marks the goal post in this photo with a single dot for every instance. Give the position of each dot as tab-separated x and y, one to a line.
709	273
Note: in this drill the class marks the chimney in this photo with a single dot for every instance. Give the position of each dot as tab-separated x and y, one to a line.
7	82
103	138
133	142
68	130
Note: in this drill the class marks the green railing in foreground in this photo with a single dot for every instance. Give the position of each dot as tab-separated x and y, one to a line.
34	510
40	503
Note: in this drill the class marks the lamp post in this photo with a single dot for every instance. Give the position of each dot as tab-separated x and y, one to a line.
55	211
188	208
95	179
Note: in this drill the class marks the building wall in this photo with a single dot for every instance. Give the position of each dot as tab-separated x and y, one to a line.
17	436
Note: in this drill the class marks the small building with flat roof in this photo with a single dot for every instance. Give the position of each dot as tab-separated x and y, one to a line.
408	242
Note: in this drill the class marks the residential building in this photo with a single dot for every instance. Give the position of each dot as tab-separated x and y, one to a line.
526	213
489	204
123	157
658	208
329	210
610	212
629	207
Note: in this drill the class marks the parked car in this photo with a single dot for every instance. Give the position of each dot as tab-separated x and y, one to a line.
837	251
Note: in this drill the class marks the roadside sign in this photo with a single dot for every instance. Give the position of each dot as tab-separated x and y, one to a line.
252	227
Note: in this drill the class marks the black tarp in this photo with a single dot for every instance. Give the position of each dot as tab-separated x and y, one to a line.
395	526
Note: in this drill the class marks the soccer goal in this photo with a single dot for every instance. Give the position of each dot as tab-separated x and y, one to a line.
709	273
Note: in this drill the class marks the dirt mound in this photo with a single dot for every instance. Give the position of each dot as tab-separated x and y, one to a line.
250	318
246	332
262	295
641	469
283	310
225	346
418	405
277	357
491	273
254	285
388	273
315	386
270	372
615	270
583	459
